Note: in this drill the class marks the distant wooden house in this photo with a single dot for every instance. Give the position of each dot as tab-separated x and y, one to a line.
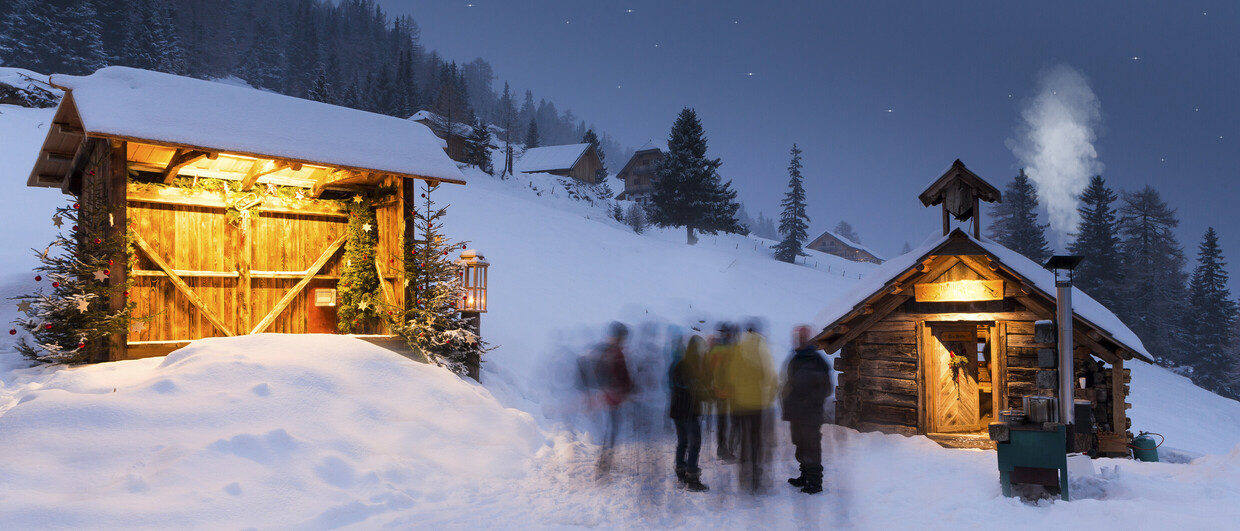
452	135
971	300
579	161
640	174
134	145
831	243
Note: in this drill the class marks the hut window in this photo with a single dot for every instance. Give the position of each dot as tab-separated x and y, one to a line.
324	297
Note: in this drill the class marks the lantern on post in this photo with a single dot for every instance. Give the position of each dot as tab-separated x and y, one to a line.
473	281
473	301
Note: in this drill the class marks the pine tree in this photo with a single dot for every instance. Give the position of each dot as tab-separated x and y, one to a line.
1015	224
478	147
52	37
321	89
745	222
600	176
1097	240
635	217
793	222
432	324
845	230
1153	274
531	135
1210	316
689	193
360	299
64	323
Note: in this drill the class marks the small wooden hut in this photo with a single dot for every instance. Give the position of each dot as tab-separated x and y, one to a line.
579	161
837	245
940	340
261	250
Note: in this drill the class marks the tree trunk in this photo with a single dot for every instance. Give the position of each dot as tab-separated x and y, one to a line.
689	231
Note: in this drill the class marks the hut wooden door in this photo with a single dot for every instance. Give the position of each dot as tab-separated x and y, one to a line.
952	396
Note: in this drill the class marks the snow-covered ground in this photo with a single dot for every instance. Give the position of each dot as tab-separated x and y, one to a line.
328	432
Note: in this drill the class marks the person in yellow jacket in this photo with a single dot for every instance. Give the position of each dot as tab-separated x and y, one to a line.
750	384
722	351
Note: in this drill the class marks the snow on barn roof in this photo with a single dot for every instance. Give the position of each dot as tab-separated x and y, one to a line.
1083	306
551	158
141	105
458	128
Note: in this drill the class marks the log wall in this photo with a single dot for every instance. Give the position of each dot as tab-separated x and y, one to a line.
879	389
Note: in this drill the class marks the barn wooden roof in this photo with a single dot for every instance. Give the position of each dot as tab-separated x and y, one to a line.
828	235
958	174
890	285
218	129
553	158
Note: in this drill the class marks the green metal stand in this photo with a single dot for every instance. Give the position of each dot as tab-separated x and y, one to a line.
1034	447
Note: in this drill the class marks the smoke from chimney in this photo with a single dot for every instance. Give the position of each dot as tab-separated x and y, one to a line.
1055	143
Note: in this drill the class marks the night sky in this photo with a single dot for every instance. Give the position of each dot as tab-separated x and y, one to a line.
882	96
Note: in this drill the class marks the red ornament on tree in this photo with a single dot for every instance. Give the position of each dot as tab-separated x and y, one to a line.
75	206
109	262
448	341
126	293
81	345
75	227
55	284
12	332
48	326
107	271
38	278
98	241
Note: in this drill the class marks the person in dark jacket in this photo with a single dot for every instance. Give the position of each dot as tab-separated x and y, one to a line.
807	385
613	375
687	393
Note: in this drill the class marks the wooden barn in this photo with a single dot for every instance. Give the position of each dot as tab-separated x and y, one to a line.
233	199
940	340
837	245
640	174
579	161
452	135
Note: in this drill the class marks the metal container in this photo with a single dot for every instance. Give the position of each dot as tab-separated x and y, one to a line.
1012	417
1039	409
1144	449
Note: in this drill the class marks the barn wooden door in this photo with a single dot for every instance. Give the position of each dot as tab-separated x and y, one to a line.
952	396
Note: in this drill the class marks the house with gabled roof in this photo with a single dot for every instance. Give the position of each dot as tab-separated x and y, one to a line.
233	199
940	340
834	244
640	174
579	161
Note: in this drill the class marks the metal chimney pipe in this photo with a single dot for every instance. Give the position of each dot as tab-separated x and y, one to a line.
1063	315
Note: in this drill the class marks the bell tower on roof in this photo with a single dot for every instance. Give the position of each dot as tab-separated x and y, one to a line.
960	191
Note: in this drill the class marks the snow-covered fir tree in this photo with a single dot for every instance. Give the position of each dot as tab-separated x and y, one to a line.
1210	315
320	89
764	227
72	309
1014	222
689	193
531	135
845	230
635	218
1097	240
61	37
478	147
744	220
432	324
1154	276
793	222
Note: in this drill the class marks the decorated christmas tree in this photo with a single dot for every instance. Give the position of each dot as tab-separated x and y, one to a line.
71	309
432	323
359	291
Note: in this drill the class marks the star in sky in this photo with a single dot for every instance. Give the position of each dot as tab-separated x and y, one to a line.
1136	58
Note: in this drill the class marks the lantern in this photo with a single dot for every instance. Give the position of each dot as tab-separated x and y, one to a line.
474	281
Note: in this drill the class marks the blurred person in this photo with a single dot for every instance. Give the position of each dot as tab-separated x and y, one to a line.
722	351
687	394
612	374
751	384
807	384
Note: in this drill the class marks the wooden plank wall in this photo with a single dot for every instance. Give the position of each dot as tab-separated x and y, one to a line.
201	239
1022	362
878	380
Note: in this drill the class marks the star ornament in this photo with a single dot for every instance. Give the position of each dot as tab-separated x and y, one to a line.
366	227
357	199
57	221
82	305
363	305
101	276
137	327
24	306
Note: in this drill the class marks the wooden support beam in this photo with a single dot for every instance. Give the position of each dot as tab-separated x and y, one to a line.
335	178
116	187
176	196
292	293
389	296
1119	417
260	168
52	156
180	159
244	256
181	285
